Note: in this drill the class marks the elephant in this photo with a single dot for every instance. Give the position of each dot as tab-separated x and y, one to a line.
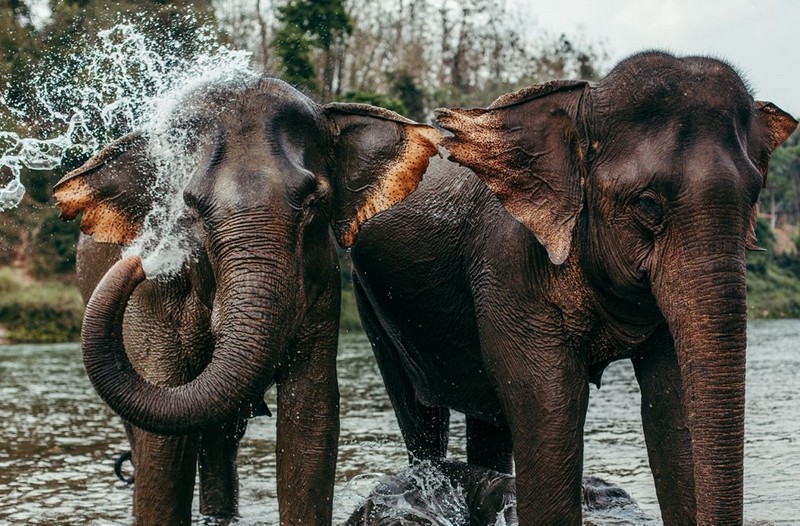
488	495
575	223
185	358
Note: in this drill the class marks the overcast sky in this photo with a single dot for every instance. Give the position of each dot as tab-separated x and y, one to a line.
760	37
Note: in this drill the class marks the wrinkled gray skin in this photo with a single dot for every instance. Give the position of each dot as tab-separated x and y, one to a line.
166	466
589	223
487	495
185	358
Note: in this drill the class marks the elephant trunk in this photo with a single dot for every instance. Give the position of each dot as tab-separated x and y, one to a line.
707	316
255	315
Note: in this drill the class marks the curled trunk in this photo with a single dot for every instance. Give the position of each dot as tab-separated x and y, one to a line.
254	330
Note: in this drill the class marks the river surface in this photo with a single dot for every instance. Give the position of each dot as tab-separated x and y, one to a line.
58	441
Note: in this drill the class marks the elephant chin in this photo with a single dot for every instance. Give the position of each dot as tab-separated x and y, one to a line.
237	375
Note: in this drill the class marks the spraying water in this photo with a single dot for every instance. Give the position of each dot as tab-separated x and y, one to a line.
125	81
422	494
38	154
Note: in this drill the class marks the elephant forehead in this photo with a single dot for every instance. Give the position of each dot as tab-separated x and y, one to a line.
675	152
658	81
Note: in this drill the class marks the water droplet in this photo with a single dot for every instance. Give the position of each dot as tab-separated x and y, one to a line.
126	81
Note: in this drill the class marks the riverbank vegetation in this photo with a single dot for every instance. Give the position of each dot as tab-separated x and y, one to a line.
408	55
773	276
38	311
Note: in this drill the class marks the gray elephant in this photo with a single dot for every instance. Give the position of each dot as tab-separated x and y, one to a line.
580	223
186	358
471	496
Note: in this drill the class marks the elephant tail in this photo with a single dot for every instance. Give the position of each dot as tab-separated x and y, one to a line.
121	459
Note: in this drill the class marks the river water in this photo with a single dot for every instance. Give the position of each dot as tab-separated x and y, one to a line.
58	441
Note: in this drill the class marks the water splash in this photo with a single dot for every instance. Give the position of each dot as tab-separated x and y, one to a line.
38	154
163	243
422	494
125	81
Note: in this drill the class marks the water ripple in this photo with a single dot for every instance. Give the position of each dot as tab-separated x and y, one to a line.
59	441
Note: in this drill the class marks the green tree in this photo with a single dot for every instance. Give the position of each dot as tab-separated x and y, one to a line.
294	52
307	25
781	198
376	99
404	87
18	47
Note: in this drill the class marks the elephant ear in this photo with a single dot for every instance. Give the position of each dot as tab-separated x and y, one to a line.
772	127
525	147
378	160
113	189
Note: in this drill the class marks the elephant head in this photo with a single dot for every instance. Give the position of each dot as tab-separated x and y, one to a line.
273	172
648	182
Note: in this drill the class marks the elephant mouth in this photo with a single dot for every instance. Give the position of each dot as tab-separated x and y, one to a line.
629	322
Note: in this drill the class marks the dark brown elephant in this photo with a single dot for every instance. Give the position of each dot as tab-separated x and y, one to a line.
255	303
593	222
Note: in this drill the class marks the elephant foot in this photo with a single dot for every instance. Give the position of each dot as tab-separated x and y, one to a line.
597	494
446	489
463	494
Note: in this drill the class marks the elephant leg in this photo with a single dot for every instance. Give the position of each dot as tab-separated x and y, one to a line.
666	428
425	429
543	386
308	426
219	479
489	446
165	472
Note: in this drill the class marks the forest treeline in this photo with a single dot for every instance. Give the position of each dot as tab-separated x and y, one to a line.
407	55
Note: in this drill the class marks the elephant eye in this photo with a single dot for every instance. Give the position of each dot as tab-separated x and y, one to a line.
305	193
649	210
197	203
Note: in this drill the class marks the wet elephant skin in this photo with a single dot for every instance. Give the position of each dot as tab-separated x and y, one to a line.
185	358
574	224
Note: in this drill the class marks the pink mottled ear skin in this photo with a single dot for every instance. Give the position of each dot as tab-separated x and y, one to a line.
112	191
380	160
399	179
779	124
525	148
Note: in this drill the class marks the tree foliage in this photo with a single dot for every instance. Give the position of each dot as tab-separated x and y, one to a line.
462	53
294	52
305	26
780	200
32	234
426	53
